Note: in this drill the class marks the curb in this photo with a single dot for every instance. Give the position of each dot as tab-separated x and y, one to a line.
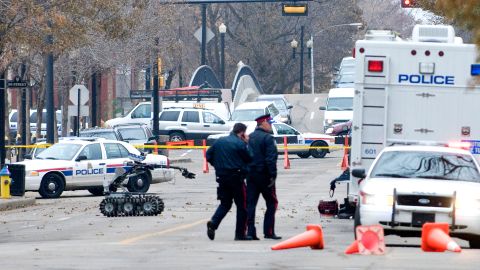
19	202
180	160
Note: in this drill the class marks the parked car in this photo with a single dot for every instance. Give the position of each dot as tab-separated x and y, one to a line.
407	186
13	122
340	129
76	164
298	142
281	104
134	134
339	107
247	112
190	123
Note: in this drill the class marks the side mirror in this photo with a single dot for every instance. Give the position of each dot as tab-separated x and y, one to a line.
27	156
322	108
289	106
359	173
221	122
80	158
153	138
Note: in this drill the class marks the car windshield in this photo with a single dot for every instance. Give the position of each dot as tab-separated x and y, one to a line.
109	135
129	134
33	117
279	103
60	151
430	165
247	115
340	104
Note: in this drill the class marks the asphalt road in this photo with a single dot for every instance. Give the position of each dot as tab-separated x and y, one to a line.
70	232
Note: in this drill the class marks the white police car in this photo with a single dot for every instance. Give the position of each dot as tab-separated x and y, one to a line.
74	164
297	143
407	186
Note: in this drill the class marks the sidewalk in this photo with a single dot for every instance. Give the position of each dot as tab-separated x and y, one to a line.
16	202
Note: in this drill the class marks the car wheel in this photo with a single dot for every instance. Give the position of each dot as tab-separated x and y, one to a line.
139	183
177	137
474	242
52	186
319	153
304	154
96	191
356	221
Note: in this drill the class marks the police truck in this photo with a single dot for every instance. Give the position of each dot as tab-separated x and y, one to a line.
424	90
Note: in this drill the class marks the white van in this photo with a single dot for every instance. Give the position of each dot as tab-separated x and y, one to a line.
249	111
339	107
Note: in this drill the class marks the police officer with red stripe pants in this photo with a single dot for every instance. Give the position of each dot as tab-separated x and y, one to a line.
261	177
230	157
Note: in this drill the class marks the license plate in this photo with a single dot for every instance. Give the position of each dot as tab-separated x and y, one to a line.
418	219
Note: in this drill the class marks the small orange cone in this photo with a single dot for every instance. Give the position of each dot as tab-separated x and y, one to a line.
205	162
435	238
370	240
286	160
353	248
344	165
312	238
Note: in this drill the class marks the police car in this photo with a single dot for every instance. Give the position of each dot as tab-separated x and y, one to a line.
407	186
75	164
297	143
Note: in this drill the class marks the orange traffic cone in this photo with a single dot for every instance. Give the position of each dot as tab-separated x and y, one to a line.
205	162
353	248
370	240
286	160
344	165
435	238
312	238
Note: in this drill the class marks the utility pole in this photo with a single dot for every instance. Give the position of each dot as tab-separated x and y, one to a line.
51	127
23	93
204	33
155	101
94	121
3	89
301	58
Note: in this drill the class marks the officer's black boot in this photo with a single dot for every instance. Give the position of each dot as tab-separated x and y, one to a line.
210	230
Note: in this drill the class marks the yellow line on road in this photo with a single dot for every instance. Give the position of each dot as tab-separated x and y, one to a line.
171	230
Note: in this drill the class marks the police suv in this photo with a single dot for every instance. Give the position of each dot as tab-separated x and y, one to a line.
76	164
413	91
407	186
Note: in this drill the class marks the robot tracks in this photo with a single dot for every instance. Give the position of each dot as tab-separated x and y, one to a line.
131	204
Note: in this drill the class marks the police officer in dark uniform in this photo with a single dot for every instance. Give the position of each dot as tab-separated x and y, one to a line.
262	176
230	157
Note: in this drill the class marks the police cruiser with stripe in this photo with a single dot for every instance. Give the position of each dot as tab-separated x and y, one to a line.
79	164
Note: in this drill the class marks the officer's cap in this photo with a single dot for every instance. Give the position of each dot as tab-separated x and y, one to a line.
263	118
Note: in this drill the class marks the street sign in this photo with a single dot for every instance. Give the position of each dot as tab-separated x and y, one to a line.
140	94
73	94
198	34
17	83
73	110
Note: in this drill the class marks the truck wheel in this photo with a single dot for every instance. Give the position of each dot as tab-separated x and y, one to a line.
474	242
356	221
319	153
52	186
139	183
96	191
304	154
177	137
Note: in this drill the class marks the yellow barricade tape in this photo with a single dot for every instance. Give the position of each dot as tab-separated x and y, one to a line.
29	146
187	147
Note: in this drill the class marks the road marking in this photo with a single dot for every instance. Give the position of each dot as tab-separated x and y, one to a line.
312	114
315	100
186	153
64	218
171	230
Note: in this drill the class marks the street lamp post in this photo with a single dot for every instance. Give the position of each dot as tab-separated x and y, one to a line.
294	45
222	29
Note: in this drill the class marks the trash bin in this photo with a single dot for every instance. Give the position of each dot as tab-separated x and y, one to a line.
17	174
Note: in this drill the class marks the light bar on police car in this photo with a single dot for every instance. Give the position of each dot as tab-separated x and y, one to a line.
475	71
427	68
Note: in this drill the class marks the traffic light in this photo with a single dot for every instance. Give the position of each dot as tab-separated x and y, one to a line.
294	9
408	3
